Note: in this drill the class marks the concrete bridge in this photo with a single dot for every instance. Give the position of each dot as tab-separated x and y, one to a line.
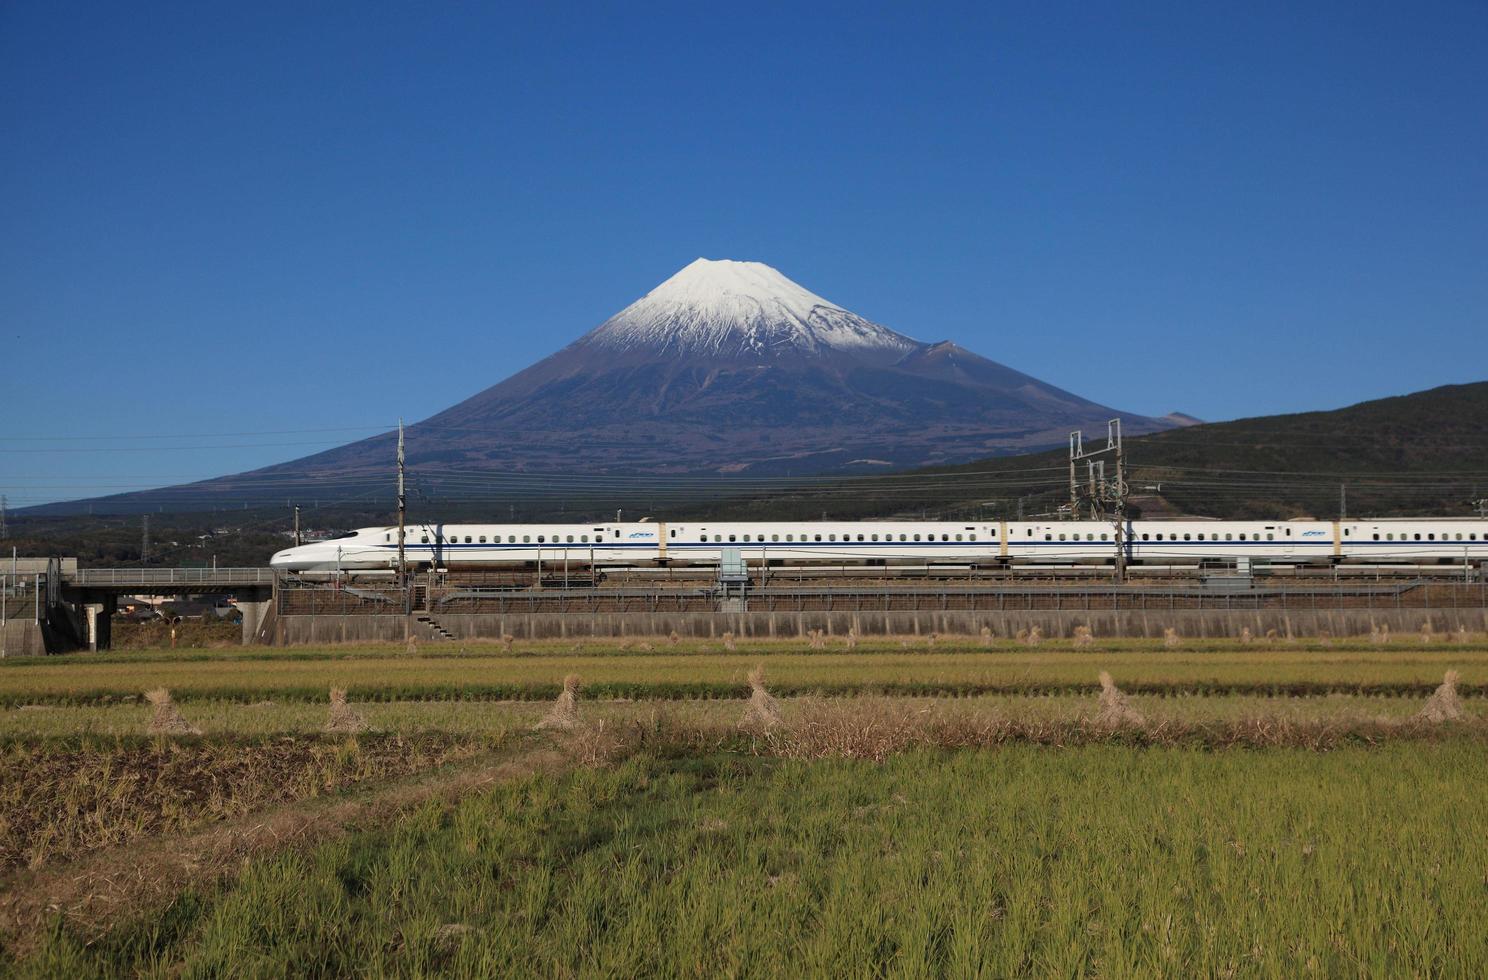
55	605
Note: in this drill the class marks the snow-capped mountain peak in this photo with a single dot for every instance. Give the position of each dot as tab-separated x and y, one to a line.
727	308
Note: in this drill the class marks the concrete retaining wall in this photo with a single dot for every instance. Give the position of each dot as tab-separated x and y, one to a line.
22	638
1192	623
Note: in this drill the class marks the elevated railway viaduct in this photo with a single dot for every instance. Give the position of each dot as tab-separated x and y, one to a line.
57	606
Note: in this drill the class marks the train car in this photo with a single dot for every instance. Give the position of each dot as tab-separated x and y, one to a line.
482	546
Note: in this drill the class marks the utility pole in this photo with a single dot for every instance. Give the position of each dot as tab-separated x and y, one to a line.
402	511
297	539
1343	501
144	538
1102	494
1076	451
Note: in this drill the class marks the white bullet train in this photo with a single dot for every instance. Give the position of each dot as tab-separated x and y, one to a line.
476	546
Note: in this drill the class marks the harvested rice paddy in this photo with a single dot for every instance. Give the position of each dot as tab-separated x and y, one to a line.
1279	809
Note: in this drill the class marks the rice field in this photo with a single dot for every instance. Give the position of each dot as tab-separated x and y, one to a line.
1280	809
701	672
1095	860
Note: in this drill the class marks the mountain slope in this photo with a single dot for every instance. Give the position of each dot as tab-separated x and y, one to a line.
1423	453
726	367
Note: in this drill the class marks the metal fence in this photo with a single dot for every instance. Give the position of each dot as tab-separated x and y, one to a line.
299	599
207	578
18	597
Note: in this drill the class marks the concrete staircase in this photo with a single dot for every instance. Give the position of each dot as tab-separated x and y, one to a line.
439	632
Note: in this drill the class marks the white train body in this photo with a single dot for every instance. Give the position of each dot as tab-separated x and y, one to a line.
454	546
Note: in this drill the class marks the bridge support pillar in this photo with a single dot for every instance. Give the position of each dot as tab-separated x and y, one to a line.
253	616
98	623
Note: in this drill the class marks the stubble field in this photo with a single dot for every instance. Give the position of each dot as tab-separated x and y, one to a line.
953	809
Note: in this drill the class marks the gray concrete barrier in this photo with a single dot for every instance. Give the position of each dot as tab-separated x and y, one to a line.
787	625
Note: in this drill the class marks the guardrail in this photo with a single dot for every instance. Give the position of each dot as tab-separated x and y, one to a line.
214	577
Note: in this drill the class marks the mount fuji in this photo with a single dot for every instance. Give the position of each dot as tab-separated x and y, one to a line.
727	367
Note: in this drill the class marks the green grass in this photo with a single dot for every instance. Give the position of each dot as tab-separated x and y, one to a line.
376	675
1095	860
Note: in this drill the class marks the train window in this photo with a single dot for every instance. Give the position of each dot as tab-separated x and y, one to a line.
1459	535
1103	535
1187	538
1376	535
482	539
511	539
1048	537
818	537
917	536
731	537
860	537
1145	537
973	537
1030	532
424	539
467	539
541	538
1430	537
526	539
1061	537
584	539
569	539
1418	535
774	537
831	537
790	537
387	537
1229	536
958	537
875	537
1270	536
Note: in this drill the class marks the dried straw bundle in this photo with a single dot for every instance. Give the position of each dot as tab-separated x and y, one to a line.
1083	636
412	647
986	634
1031	637
1245	636
762	710
1444	704
1379	635
167	718
728	642
1427	635
1460	636
565	711
344	719
1115	708
506	641
673	638
931	640
852	639
1170	638
818	640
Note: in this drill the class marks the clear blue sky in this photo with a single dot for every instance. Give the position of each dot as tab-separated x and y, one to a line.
270	218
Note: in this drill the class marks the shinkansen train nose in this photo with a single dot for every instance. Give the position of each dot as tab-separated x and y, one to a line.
288	559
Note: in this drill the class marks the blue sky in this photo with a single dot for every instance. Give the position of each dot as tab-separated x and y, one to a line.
234	234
